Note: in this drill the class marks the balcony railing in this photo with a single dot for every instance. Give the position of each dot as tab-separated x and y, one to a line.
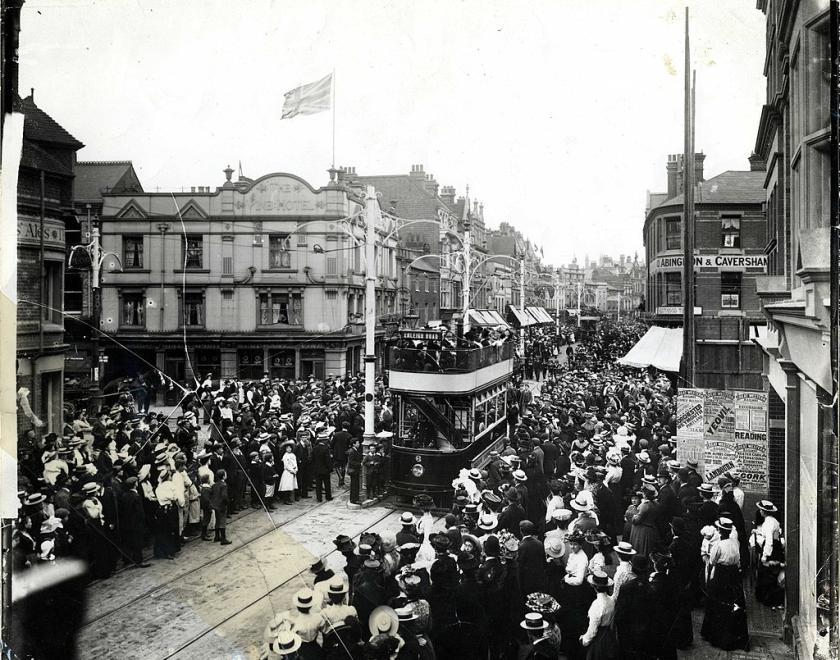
421	360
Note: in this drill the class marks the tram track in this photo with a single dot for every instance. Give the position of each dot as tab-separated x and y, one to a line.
183	647
162	587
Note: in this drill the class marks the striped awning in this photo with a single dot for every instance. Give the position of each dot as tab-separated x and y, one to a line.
486	318
539	314
520	318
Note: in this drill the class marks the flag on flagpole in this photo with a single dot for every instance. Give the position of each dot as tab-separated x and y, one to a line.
308	99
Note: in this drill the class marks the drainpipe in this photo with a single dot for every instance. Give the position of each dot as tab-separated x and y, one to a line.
162	228
43	275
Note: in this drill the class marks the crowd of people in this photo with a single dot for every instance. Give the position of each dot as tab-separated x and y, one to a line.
583	537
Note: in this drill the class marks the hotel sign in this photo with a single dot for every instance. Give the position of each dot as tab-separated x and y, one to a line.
676	311
727	262
281	196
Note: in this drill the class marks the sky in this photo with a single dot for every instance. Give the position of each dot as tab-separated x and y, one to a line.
559	114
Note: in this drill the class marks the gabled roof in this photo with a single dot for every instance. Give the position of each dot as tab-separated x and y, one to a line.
36	157
730	187
38	126
95	177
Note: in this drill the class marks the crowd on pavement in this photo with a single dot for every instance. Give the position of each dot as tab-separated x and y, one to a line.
583	537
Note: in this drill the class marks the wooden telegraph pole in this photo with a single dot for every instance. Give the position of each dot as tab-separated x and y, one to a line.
689	344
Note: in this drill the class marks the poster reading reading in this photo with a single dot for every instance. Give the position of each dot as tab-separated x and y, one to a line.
724	430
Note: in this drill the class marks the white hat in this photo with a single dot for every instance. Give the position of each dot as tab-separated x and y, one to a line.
383	621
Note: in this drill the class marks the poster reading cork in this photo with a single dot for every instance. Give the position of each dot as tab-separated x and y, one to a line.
724	430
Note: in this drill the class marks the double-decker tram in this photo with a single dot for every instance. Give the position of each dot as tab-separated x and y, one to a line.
450	406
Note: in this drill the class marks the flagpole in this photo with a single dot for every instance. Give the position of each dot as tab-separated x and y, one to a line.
333	118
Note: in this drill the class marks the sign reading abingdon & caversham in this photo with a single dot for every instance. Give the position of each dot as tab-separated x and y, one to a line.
719	261
724	430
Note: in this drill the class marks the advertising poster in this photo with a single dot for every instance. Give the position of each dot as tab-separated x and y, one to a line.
724	430
750	436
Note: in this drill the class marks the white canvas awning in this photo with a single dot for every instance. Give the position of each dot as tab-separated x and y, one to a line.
660	348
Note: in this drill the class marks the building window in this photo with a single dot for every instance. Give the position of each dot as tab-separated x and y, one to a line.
73	297
132	252
730	231
280	309
250	363
133	309
193	251
673	289
279	255
193	308
53	292
673	233
730	290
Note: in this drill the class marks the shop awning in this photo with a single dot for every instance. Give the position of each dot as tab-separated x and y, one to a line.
660	348
486	318
539	314
519	318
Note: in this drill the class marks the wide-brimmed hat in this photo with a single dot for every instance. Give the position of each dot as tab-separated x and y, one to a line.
286	643
344	543
440	542
581	503
643	457
542	603
488	521
766	506
724	523
561	515
575	537
624	549
475	473
533	621
407	518
706	489
519	475
600	579
317	567
691	464
554	546
383	621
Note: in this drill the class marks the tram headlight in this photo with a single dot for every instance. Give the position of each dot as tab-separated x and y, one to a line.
417	470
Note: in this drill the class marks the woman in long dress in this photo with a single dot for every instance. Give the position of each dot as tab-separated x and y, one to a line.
725	622
770	556
644	536
288	480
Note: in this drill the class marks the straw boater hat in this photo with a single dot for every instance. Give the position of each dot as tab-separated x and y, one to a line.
406	614
561	515
286	643
383	621
534	621
766	506
488	522
724	523
624	550
91	488
554	546
520	475
475	473
407	518
599	579
304	599
336	587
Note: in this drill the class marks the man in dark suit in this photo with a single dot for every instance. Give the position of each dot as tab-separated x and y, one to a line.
354	468
321	466
513	514
219	503
550	454
531	559
133	523
340	445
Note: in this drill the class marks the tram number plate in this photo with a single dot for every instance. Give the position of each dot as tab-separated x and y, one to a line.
418	459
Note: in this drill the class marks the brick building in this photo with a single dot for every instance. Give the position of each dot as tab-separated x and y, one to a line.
794	140
93	179
45	205
730	240
264	275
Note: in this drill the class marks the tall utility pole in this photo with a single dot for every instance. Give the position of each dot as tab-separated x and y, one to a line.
522	305
557	304
96	309
466	288
579	292
371	220
689	344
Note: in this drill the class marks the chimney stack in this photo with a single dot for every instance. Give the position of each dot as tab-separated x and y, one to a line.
417	172
673	168
447	194
757	163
